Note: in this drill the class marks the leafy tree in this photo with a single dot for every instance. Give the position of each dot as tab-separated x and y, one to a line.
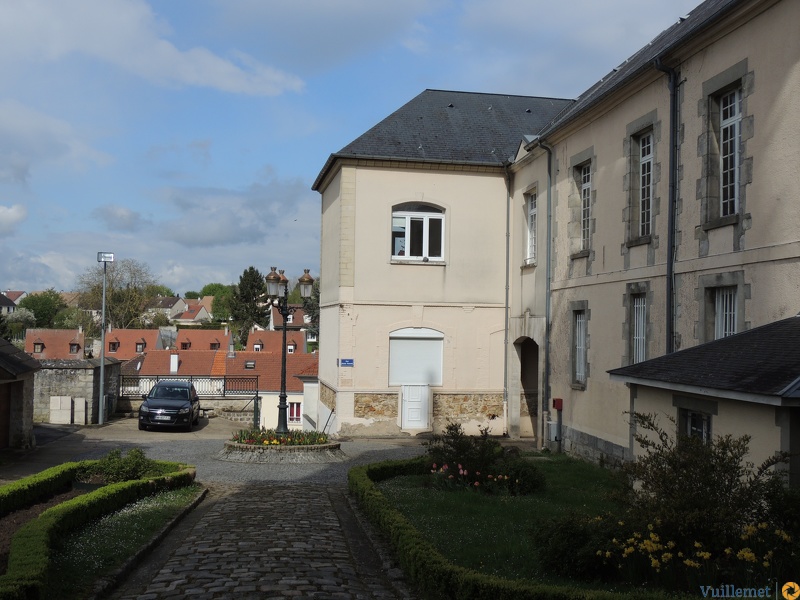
45	306
158	320
74	317
130	288
248	304
192	295
5	328
311	308
223	294
160	290
21	320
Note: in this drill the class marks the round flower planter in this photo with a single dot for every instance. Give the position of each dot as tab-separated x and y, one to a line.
254	453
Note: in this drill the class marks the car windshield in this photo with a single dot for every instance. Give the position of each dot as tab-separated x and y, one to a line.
174	393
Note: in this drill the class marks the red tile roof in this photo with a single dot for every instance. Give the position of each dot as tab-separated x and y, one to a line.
298	318
204	363
272	341
56	343
202	339
129	338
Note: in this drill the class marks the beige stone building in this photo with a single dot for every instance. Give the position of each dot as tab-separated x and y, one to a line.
468	273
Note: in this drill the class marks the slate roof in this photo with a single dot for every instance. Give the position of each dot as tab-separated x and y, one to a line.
465	128
14	361
665	43
6	301
763	361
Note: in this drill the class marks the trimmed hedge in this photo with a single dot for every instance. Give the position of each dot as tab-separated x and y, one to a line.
31	548
429	571
39	487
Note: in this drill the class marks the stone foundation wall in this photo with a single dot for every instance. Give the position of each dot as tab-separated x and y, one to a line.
327	396
592	448
381	407
471	410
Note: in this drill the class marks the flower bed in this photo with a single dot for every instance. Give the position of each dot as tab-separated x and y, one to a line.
267	446
269	437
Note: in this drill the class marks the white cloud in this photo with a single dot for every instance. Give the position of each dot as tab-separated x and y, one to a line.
28	137
119	218
10	217
128	35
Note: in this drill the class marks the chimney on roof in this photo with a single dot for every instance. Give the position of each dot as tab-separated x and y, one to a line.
231	350
173	363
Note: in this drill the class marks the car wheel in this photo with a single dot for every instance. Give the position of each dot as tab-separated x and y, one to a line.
142	427
189	426
196	419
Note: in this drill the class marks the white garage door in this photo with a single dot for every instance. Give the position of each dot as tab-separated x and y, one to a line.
415	356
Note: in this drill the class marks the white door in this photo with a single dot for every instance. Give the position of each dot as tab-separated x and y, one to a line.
415	406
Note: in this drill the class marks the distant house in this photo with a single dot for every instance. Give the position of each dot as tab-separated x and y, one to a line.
206	302
15	296
55	344
169	306
192	316
17	371
298	321
7	306
71	299
203	339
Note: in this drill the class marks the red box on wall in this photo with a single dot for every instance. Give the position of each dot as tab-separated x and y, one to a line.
558	403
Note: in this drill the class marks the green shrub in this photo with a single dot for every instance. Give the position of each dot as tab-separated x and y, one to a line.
567	546
454	447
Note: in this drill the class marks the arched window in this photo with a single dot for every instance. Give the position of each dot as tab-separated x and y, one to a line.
417	232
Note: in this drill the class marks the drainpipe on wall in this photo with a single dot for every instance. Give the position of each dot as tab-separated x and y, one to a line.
506	307
548	277
673	199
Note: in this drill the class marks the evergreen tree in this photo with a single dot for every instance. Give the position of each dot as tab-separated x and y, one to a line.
249	304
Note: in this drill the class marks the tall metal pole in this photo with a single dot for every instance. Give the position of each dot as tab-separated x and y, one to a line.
101	417
283	307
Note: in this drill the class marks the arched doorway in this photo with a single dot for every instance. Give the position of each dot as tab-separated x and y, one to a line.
528	352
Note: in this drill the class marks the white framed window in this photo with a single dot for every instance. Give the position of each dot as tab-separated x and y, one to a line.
530	255
417	232
730	139
73	348
639	331
290	349
724	312
139	346
38	347
289	319
585	172
579	335
311	337
295	414
645	186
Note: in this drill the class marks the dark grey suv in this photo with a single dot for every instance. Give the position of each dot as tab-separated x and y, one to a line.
170	404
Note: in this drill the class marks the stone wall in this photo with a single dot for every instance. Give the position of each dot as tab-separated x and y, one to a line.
473	411
74	379
327	396
592	447
380	407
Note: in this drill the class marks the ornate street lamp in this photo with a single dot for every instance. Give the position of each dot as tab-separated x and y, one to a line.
278	291
105	258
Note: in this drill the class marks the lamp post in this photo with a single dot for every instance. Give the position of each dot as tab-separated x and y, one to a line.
278	290
105	258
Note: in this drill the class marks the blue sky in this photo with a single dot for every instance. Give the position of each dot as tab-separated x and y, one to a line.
186	134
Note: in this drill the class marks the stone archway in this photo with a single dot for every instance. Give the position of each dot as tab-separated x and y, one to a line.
528	352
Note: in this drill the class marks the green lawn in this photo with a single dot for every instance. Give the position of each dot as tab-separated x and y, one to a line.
491	534
97	550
